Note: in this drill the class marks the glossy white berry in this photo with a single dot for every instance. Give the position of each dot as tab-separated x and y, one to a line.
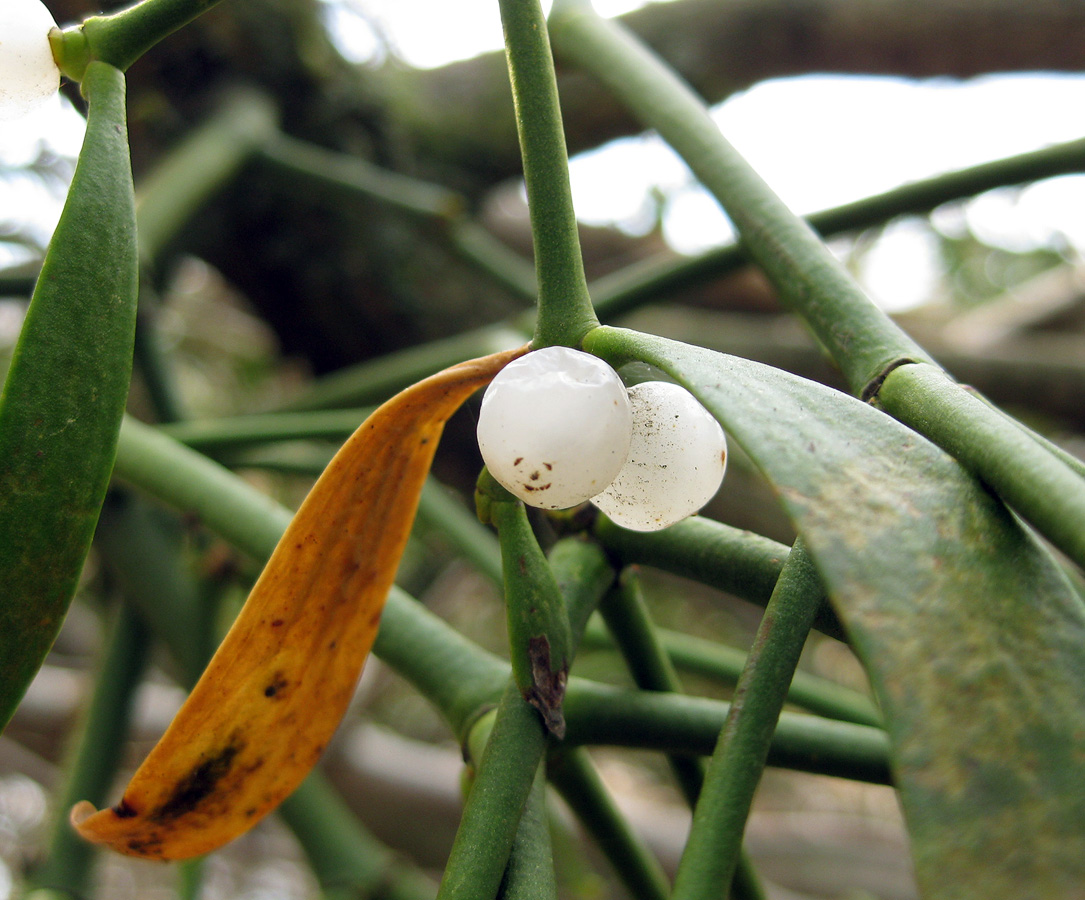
676	460
28	73
555	426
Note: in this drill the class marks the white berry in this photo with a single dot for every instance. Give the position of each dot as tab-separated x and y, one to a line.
28	72
676	460
555	426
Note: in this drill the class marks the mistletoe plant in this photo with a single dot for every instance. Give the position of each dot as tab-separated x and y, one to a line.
926	515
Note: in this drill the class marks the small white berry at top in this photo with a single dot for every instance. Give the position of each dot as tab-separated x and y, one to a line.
676	460
554	427
28	72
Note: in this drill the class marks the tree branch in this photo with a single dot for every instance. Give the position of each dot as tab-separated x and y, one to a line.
463	111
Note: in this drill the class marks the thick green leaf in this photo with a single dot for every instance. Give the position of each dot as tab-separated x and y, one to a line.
973	639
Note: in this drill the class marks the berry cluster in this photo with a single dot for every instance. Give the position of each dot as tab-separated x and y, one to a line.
557	427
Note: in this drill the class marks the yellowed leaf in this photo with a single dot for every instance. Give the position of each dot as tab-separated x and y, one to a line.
272	696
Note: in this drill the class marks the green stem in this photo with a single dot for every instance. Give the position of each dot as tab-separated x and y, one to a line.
673	723
573	774
338	172
729	559
565	311
517	743
538	623
860	337
719	662
208	158
376	380
1039	486
346	858
530	874
96	757
440	508
141	546
492	813
211	435
342	172
190	878
123	37
1067	459
454	674
628	619
151	360
584	574
657	276
719	821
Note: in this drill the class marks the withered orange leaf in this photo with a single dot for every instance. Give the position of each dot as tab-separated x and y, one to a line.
272	696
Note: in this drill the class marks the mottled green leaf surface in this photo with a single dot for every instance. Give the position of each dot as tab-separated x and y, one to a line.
973	639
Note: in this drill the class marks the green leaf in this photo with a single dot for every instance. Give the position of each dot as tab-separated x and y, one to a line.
64	396
972	637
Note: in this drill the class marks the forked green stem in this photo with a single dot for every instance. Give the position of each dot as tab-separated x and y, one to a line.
861	338
1027	475
123	37
506	772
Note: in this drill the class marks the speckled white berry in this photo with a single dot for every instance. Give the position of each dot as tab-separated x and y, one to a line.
555	427
676	460
28	73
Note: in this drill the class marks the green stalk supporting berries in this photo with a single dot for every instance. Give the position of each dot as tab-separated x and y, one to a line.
62	403
123	37
539	635
565	310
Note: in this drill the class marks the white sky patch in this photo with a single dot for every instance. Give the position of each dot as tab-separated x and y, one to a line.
26	202
820	141
427	34
900	269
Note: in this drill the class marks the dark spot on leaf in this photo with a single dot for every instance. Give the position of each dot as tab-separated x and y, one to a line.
198	784
277	623
277	686
549	468
146	846
534	476
518	460
124	810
